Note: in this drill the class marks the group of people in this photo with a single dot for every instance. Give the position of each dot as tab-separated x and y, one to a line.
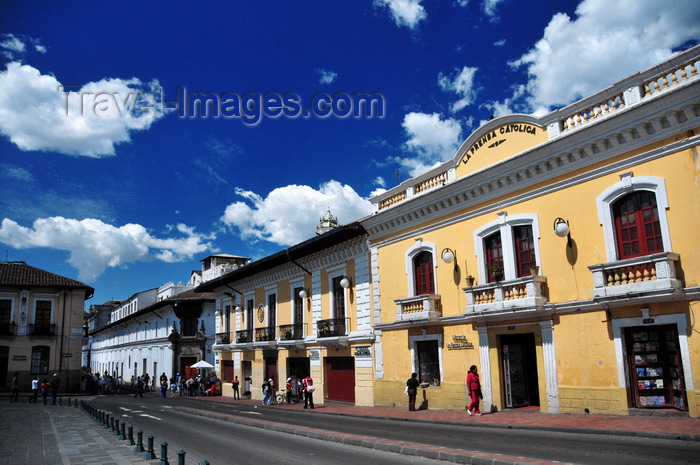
473	387
45	388
294	386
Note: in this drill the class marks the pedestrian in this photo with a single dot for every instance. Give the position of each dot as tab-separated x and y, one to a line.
474	388
236	393
163	387
289	389
267	390
309	389
35	389
14	388
54	384
139	388
45	388
412	389
145	381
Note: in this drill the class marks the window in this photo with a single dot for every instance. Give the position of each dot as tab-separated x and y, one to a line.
189	326
249	308
5	316
42	315
338	298
509	244
298	317
271	310
524	249
637	226
632	213
227	319
494	256
423	273
40	360
426	354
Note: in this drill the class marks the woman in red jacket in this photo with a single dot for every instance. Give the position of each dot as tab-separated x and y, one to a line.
474	387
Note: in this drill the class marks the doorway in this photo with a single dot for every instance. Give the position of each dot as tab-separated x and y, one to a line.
519	362
340	379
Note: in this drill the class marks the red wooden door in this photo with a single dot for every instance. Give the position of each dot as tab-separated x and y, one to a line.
340	379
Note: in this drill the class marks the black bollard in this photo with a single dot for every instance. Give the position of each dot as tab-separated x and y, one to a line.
110	426
181	457
122	432
106	426
163	454
150	454
116	427
60	401
139	441
131	435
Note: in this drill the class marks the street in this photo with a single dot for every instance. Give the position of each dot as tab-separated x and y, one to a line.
174	420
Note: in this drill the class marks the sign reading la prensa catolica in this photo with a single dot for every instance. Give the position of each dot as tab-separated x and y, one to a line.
498	136
459	343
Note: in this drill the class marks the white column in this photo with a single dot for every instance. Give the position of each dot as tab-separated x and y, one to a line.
550	366
485	361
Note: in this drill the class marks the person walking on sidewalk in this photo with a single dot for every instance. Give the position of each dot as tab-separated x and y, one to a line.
35	389
474	388
45	388
309	389
14	393
55	383
412	390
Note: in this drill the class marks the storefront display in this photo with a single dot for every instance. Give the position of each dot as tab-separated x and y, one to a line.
656	370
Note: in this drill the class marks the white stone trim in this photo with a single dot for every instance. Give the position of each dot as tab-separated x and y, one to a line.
410	254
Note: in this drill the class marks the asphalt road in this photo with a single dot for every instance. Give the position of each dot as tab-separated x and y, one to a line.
229	443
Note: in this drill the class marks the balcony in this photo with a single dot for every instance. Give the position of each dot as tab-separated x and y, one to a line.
422	307
7	329
333	327
526	293
291	332
648	274
223	338
244	336
265	334
42	330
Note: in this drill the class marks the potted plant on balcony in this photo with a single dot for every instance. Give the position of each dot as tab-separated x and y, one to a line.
324	329
534	269
496	273
470	280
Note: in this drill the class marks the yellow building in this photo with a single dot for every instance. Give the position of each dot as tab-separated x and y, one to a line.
304	310
580	231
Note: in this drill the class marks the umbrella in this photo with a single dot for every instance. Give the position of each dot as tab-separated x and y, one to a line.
202	364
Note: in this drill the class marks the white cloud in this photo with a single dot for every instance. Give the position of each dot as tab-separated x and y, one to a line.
13	46
490	7
500	43
290	214
404	12
604	42
36	113
326	76
432	140
461	84
12	43
16	173
95	246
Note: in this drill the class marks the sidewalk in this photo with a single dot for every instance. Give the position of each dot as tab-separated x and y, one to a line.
665	427
37	434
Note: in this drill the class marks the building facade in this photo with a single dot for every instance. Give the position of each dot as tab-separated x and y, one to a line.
304	310
163	330
555	253
41	325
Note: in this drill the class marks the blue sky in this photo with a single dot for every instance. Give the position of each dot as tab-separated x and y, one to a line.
127	200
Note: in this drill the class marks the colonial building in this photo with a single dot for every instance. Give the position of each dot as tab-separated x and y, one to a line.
41	320
163	330
303	310
558	254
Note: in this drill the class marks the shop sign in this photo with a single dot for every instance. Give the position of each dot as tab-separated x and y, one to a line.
363	352
19	358
460	343
315	354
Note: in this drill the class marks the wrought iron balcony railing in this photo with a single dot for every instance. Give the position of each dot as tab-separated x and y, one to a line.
244	336
42	330
332	327
291	332
223	338
265	334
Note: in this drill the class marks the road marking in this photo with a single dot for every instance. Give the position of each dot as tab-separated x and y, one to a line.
150	416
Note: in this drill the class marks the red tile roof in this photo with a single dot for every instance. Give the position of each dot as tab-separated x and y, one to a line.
21	274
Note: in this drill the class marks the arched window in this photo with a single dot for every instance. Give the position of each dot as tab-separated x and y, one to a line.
637	227
494	255
423	273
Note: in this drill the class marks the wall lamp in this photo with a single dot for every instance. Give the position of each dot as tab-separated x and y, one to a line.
345	282
24	300
304	293
561	229
448	255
